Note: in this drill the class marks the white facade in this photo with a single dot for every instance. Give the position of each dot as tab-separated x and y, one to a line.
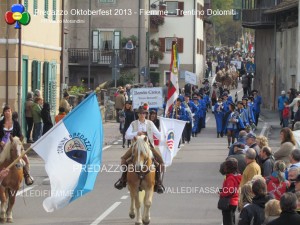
190	28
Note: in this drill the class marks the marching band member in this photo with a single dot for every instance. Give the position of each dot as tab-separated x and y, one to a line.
186	135
219	114
231	127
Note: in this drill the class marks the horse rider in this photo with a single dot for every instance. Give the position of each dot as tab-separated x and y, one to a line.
139	127
8	127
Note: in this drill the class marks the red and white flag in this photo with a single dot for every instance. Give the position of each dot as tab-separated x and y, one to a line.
173	89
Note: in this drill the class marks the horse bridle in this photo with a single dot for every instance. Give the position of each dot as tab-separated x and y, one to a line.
140	173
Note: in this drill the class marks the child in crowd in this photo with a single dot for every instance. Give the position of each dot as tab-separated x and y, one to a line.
60	115
286	114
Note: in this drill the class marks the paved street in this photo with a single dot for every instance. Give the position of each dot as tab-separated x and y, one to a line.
191	184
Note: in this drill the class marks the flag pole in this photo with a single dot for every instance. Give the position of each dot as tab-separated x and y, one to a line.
17	159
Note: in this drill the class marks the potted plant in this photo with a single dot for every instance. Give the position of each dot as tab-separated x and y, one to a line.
155	21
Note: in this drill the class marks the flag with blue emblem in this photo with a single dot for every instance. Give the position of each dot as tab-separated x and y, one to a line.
171	132
72	151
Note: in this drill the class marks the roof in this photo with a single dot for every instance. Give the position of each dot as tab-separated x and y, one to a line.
283	6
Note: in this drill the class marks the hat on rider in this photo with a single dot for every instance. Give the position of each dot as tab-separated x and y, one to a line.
142	109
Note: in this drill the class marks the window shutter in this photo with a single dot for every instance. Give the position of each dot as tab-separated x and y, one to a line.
38	81
181	8
54	10
46	8
34	73
162	46
46	81
26	5
198	46
180	45
35	6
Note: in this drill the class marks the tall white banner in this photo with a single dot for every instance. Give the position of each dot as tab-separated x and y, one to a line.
171	132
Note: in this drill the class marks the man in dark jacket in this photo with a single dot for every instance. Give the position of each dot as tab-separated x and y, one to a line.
288	205
266	161
254	213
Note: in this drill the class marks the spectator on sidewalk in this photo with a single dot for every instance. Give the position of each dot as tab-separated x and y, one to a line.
46	117
272	210
292	175
262	141
61	114
294	103
288	144
251	142
266	161
254	214
252	167
257	100
277	185
119	103
246	195
28	115
288	205
280	104
230	190
64	102
297	115
296	133
37	119
285	114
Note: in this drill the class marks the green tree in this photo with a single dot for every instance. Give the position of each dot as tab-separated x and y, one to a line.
228	30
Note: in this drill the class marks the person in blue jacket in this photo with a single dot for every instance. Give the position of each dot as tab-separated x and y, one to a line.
256	105
280	103
219	114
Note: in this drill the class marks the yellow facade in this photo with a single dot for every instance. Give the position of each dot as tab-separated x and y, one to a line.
40	45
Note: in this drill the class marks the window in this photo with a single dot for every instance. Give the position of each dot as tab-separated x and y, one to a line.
54	10
168	44
171	8
106	40
46	8
26	5
174	8
107	1
35	6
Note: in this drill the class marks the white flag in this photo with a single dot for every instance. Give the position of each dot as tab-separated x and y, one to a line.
171	131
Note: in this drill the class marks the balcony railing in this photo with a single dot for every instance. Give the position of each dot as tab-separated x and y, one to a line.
255	18
102	57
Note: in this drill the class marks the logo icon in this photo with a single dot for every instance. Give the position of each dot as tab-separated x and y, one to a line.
17	15
170	140
75	149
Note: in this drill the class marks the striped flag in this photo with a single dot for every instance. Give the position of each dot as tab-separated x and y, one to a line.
173	89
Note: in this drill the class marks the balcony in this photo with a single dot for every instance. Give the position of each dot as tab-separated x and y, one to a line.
256	19
80	56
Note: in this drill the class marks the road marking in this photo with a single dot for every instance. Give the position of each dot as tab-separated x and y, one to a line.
124	197
263	130
106	213
239	91
207	119
26	189
115	143
106	147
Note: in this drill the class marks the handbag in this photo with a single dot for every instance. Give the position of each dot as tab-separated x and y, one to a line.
223	203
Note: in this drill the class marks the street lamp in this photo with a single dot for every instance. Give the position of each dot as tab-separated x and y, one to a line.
116	64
